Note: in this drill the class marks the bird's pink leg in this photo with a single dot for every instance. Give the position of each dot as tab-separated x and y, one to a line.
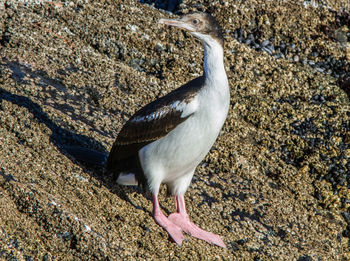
182	220
173	230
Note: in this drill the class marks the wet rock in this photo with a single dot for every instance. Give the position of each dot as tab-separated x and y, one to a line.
168	5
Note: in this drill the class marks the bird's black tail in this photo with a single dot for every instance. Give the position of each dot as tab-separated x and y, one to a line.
85	155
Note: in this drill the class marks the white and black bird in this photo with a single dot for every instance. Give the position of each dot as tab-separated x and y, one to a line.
164	141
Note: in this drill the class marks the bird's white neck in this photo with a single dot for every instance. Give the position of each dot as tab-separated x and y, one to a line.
213	60
214	69
216	82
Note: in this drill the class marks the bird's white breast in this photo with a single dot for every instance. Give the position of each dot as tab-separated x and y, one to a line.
178	153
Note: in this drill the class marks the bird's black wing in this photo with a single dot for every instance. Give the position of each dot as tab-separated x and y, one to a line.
150	123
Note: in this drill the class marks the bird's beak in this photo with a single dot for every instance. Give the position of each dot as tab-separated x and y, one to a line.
176	23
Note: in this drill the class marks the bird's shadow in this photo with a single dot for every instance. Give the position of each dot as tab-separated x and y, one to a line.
61	137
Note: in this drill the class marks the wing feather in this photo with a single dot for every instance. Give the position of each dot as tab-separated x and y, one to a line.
152	122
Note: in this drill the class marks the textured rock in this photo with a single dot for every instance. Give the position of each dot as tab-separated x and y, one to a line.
275	185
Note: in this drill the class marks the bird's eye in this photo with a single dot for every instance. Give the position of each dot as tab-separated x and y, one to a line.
195	21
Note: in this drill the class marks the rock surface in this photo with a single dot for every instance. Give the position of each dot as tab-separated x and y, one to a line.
275	186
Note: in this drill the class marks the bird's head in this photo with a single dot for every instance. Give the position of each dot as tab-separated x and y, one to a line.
201	25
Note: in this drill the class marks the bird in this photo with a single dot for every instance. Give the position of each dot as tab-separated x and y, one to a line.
164	141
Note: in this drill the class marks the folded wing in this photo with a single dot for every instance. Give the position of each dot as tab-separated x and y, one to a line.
150	123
